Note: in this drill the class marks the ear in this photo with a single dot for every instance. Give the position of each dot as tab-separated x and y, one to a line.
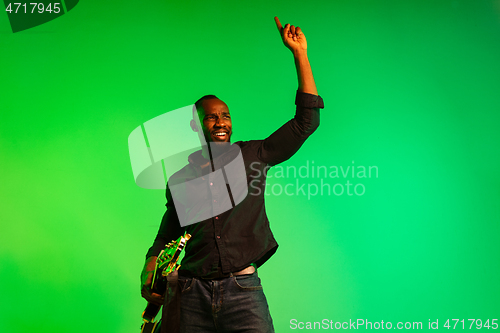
193	125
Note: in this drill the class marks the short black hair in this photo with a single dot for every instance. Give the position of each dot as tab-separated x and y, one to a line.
199	102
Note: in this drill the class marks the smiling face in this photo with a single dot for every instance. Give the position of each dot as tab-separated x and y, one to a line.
215	120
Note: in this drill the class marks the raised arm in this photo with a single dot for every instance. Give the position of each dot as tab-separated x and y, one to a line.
284	142
295	40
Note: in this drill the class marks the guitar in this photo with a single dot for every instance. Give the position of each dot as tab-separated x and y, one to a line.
166	263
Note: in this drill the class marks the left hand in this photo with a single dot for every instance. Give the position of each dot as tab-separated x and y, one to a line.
292	37
146	279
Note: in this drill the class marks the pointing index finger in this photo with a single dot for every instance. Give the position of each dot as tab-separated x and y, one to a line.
278	24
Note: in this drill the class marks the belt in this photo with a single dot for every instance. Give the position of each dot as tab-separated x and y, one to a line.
219	275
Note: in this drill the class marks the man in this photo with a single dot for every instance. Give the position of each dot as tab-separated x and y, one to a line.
218	284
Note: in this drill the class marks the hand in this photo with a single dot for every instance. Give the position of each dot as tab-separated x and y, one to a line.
146	279
292	37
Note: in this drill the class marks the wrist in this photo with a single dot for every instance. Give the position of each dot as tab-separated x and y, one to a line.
300	54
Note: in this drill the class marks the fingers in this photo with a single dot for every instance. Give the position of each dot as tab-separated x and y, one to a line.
152	297
283	31
278	24
286	31
289	33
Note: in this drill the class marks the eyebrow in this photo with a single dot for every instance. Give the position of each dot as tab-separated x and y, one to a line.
214	114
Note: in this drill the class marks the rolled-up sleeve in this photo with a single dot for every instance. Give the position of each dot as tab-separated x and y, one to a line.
283	143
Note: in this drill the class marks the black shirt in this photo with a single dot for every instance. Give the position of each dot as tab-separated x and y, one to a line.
235	238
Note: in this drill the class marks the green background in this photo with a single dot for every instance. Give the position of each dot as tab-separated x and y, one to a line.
411	87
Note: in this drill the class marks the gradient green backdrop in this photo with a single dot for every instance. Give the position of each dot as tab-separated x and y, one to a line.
411	87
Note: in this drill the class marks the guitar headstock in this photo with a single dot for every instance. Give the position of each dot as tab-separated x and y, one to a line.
166	254
169	256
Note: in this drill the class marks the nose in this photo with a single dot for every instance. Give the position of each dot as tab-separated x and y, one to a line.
219	122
